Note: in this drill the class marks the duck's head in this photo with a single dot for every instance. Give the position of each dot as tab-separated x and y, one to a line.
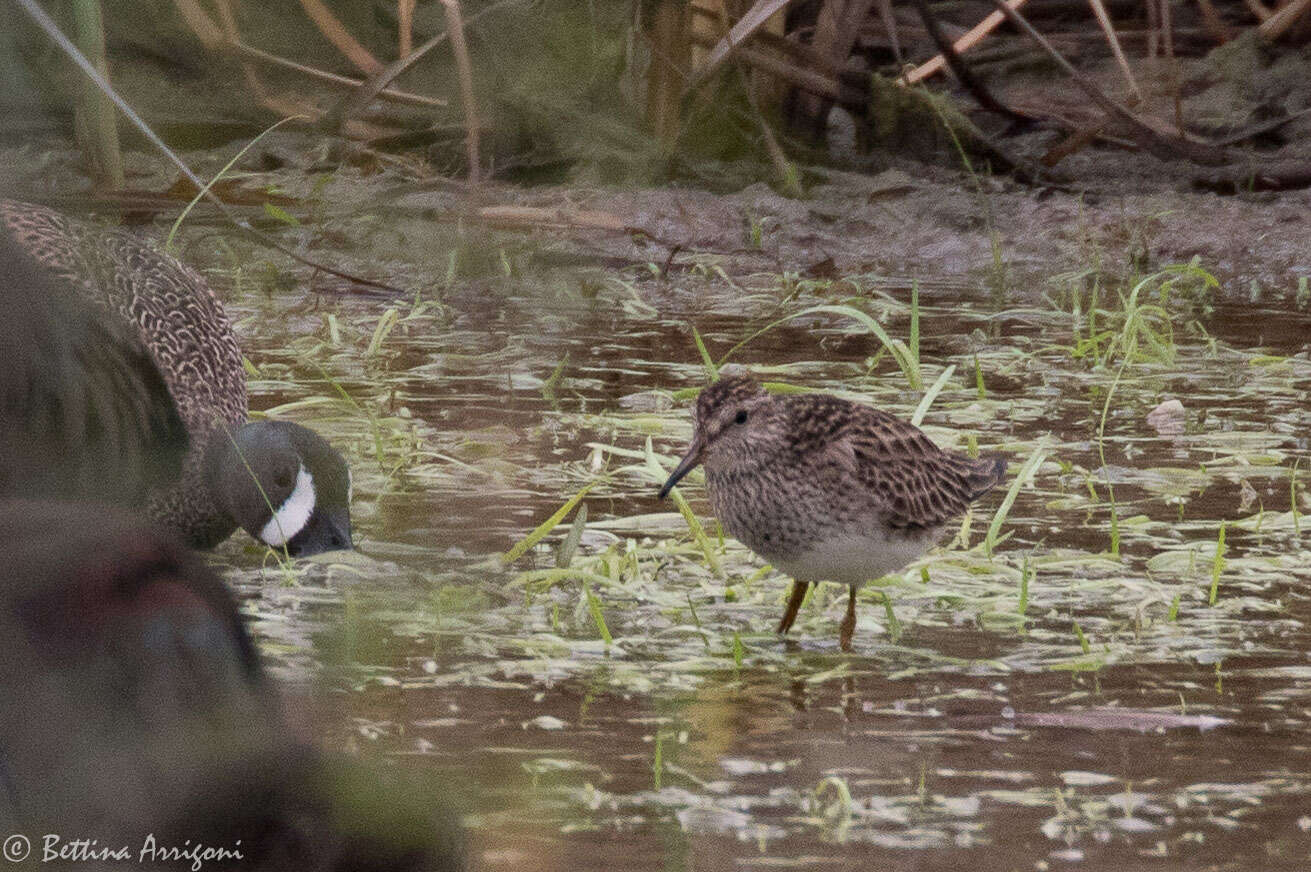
284	485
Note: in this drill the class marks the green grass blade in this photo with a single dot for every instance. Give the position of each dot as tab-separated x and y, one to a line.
915	323
931	394
1038	456
1217	565
172	231
520	549
569	547
899	351
594	606
382	331
712	371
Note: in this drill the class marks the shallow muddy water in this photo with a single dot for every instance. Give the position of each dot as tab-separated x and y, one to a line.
1074	696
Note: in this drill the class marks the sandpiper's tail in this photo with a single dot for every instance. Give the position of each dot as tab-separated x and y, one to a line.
985	474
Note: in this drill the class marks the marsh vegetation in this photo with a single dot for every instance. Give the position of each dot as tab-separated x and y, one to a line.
1104	665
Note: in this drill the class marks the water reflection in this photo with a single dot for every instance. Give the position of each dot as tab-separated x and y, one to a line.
1040	708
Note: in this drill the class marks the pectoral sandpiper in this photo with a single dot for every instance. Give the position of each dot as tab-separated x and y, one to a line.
826	489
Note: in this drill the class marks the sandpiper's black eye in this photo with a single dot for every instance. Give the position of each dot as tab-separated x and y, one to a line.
741	417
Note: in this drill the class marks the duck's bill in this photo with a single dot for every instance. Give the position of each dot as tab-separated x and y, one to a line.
327	530
686	465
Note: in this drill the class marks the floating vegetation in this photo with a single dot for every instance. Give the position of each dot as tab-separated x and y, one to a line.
525	617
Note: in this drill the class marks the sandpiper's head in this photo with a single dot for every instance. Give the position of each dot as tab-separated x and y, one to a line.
284	484
727	415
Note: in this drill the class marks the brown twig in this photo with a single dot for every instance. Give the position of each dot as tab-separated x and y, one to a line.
1162	145
1259	10
404	27
751	21
971	82
232	38
1285	17
1261	127
405	97
354	103
455	27
962	45
1104	20
336	33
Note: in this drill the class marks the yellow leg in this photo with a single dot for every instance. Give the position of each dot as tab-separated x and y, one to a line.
848	627
794	603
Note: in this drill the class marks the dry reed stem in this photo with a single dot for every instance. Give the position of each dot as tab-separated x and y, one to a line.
96	121
404	27
378	82
232	39
751	21
1260	11
1281	20
890	27
455	27
339	36
408	98
202	25
971	38
1103	19
1164	145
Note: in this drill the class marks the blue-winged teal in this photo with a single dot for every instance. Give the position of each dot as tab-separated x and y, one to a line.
282	483
826	489
135	705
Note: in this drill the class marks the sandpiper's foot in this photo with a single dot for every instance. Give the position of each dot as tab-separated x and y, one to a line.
794	604
848	626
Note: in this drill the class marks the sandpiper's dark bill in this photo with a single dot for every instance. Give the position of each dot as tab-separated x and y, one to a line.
686	465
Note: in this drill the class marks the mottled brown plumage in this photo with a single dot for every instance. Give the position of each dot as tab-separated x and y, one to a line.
153	305
84	412
180	322
826	489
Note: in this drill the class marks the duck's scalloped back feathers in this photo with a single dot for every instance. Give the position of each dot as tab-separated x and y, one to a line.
178	320
86	412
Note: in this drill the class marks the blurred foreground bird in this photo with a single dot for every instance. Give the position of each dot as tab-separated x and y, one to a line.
135	705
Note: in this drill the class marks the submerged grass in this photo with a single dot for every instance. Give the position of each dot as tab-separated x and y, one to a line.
464	439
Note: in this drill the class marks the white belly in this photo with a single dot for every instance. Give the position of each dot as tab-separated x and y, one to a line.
852	558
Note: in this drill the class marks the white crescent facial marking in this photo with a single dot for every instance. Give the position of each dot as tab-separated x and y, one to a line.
293	514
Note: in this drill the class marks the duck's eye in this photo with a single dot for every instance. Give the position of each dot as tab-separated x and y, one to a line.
282	479
741	417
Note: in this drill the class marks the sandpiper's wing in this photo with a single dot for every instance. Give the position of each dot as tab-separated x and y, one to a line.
912	482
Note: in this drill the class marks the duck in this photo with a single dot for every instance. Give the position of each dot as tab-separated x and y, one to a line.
141	319
138	709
